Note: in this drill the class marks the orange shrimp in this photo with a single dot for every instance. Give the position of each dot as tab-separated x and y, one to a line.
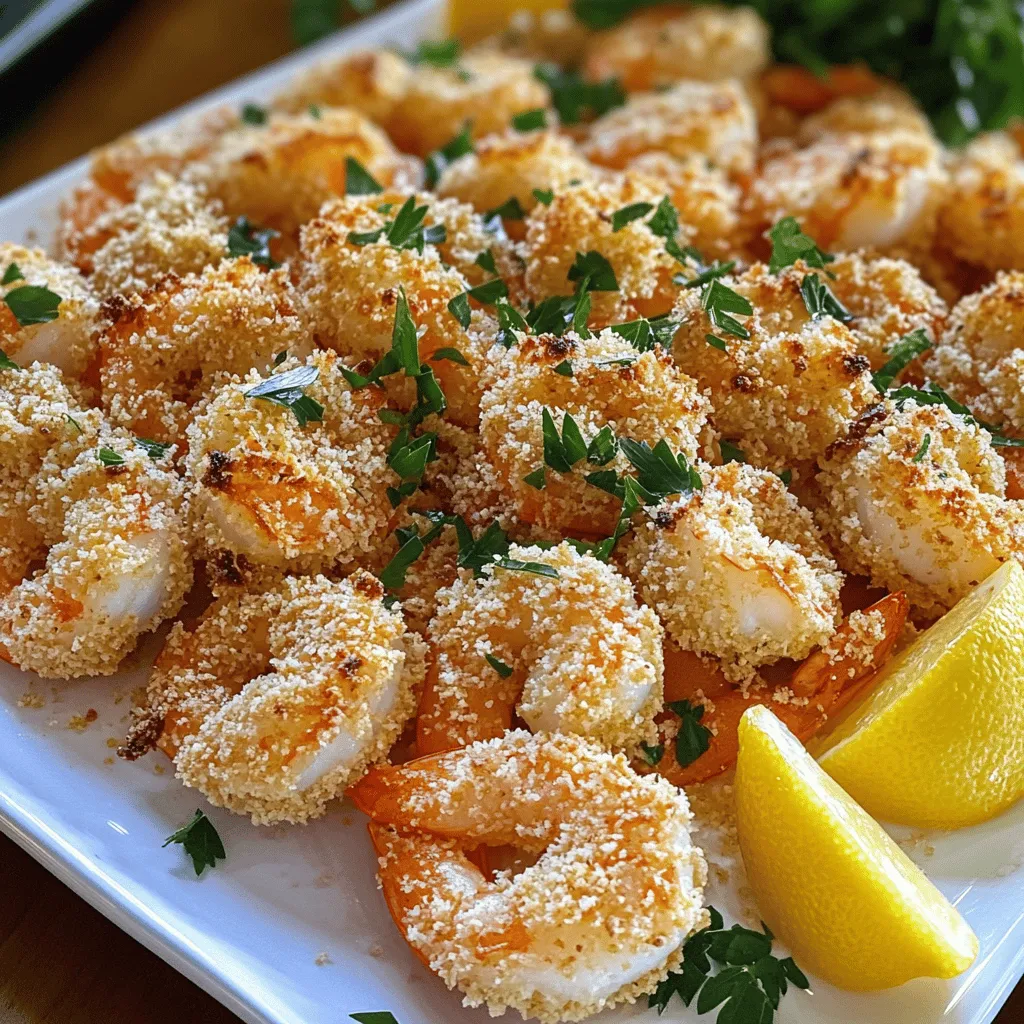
829	682
803	91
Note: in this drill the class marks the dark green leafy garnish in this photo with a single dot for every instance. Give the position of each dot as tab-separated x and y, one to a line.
510	320
511	209
715	342
156	450
11	274
659	472
576	99
923	450
932	394
564	368
413	544
538	479
564	450
201	842
486	261
491	548
530	120
820	301
790	244
543	196
901	354
408	458
442	53
731	453
499	666
6	362
245	239
720	301
749	981
486	294
453	355
644	334
358	180
652	755
287	389
786	476
437	161
705	274
315	111
693	739
627	214
33	304
595	271
254	114
109	457
374	1017
314	19
73	423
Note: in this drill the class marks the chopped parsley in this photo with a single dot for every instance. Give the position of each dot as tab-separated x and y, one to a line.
406	231
901	354
705	273
715	342
313	19
511	209
6	362
254	114
665	224
644	334
510	320
73	423
627	214
564	368
652	755
790	244
453	355
441	53
499	666
693	739
932	394
201	842
923	450
659	472
544	196
109	457
485	260
33	304
491	548
358	180
786	476
575	98
413	544
719	301
374	1017
486	294
562	451
156	450
287	389
731	453
594	271
280	357
557	313
530	120
820	301
437	161
246	239
11	274
408	458
538	479
315	111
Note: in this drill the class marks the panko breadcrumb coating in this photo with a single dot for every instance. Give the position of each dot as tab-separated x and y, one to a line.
160	351
578	220
647	399
715	120
169	228
790	389
980	358
274	492
117	564
67	341
550	35
484	89
658	48
600	917
515	165
738	570
280	174
914	498
887	109
278	700
584	657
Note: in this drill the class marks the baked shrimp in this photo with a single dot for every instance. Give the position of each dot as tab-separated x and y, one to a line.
792	386
566	652
113	528
277	700
59	330
597	920
610	390
714	120
915	499
980	358
273	490
160	350
658	48
738	570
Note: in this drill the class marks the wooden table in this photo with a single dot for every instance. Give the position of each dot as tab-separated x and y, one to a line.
60	961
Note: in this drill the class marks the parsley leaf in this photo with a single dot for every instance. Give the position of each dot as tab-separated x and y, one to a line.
901	354
932	394
499	666
245	239
623	216
574	98
286	389
109	457
731	452
491	548
593	269
485	260
6	362
313	19
530	120
716	342
201	842
790	244
659	472
564	368
254	114
33	304
820	301
923	450
644	334
652	755
719	301
544	196
11	274
693	739
358	180
374	1017
437	161
442	53
511	209
705	274
486	294
510	320
451	354
156	450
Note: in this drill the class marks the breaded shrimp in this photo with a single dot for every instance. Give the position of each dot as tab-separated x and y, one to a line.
515	165
790	389
980	358
914	498
658	48
579	220
714	120
117	563
553	35
737	570
599	918
640	396
574	653
160	351
885	110
280	174
853	190
65	340
484	89
277	700
274	492
171	227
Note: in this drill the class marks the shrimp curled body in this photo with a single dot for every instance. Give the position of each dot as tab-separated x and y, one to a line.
598	920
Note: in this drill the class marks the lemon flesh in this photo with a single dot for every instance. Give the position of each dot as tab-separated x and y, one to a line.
472	20
828	880
939	741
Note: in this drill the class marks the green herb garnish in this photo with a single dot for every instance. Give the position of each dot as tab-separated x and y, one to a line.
156	450
576	99
358	180
530	120
245	239
287	389
109	457
437	161
499	666
923	450
901	354
511	209
201	842
693	739
644	334
6	362
33	304
11	274
544	196
790	244
314	19
731	453
254	114
486	294
820	301
627	214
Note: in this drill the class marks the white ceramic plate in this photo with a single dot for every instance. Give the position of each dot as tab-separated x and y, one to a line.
291	927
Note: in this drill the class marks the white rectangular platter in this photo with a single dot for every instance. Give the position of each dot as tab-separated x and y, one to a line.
291	929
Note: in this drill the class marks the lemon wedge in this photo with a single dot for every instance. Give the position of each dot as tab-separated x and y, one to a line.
472	20
939	741
852	907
